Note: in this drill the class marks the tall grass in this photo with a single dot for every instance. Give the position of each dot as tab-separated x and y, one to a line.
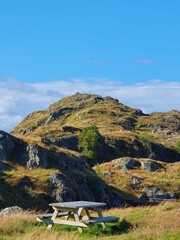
161	222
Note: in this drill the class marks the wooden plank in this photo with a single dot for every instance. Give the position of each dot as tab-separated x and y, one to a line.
45	220
77	204
101	219
62	209
71	223
49	215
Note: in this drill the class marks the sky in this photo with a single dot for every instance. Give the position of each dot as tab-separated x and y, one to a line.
126	49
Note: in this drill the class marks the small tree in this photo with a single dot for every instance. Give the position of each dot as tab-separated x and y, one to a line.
146	140
88	142
178	147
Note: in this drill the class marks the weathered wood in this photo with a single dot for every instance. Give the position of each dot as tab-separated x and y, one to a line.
49	215
100	216
77	204
101	219
74	210
71	223
45	220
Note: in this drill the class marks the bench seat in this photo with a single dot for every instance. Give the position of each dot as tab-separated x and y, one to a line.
101	219
49	215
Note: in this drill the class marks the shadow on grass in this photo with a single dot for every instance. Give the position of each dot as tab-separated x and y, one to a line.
97	230
110	229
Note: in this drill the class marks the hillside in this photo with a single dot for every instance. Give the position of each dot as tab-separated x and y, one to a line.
137	158
119	125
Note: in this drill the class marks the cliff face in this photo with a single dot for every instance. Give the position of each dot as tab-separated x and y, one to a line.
40	161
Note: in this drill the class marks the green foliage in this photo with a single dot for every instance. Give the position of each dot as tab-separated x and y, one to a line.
110	229
178	147
146	140
88	142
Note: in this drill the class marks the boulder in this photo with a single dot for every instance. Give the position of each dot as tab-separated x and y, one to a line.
135	180
151	166
61	190
69	142
127	163
154	192
10	210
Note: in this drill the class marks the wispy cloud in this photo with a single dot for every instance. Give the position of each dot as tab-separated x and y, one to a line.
141	60
19	98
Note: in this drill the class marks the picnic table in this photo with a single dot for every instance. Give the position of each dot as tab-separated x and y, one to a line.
76	213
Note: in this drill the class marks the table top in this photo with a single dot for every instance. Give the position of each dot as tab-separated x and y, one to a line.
78	204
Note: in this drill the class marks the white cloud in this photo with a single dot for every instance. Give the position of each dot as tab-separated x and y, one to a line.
19	98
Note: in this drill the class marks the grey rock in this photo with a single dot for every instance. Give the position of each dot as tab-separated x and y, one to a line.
97	100
130	163
10	210
7	145
111	99
57	114
136	180
37	157
69	142
158	193
151	166
31	156
127	163
70	129
61	188
108	173
117	167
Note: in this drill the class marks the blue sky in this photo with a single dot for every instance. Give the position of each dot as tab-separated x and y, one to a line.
113	47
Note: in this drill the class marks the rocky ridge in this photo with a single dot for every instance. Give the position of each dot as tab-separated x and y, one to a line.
48	140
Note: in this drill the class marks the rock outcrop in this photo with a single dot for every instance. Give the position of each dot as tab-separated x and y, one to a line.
151	166
7	145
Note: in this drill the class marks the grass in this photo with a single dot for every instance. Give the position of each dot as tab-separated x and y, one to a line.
159	222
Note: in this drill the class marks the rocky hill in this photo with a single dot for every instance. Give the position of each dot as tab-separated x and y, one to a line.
138	157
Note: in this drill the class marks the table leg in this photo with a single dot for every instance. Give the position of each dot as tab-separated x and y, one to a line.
87	213
100	215
76	217
52	218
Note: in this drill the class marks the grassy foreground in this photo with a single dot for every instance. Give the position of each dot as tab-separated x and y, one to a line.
150	222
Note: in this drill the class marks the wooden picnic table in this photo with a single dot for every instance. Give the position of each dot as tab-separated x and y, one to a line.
77	213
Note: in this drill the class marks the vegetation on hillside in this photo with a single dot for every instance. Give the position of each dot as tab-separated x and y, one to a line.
89	143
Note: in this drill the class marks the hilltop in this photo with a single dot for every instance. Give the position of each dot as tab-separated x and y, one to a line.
119	125
137	157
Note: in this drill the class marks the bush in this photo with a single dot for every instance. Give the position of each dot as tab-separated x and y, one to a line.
88	142
146	141
178	147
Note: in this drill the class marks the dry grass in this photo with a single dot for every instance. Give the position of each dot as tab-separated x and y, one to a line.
47	235
167	178
160	222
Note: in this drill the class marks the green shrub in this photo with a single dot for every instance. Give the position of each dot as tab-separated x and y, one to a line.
88	142
146	141
178	147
